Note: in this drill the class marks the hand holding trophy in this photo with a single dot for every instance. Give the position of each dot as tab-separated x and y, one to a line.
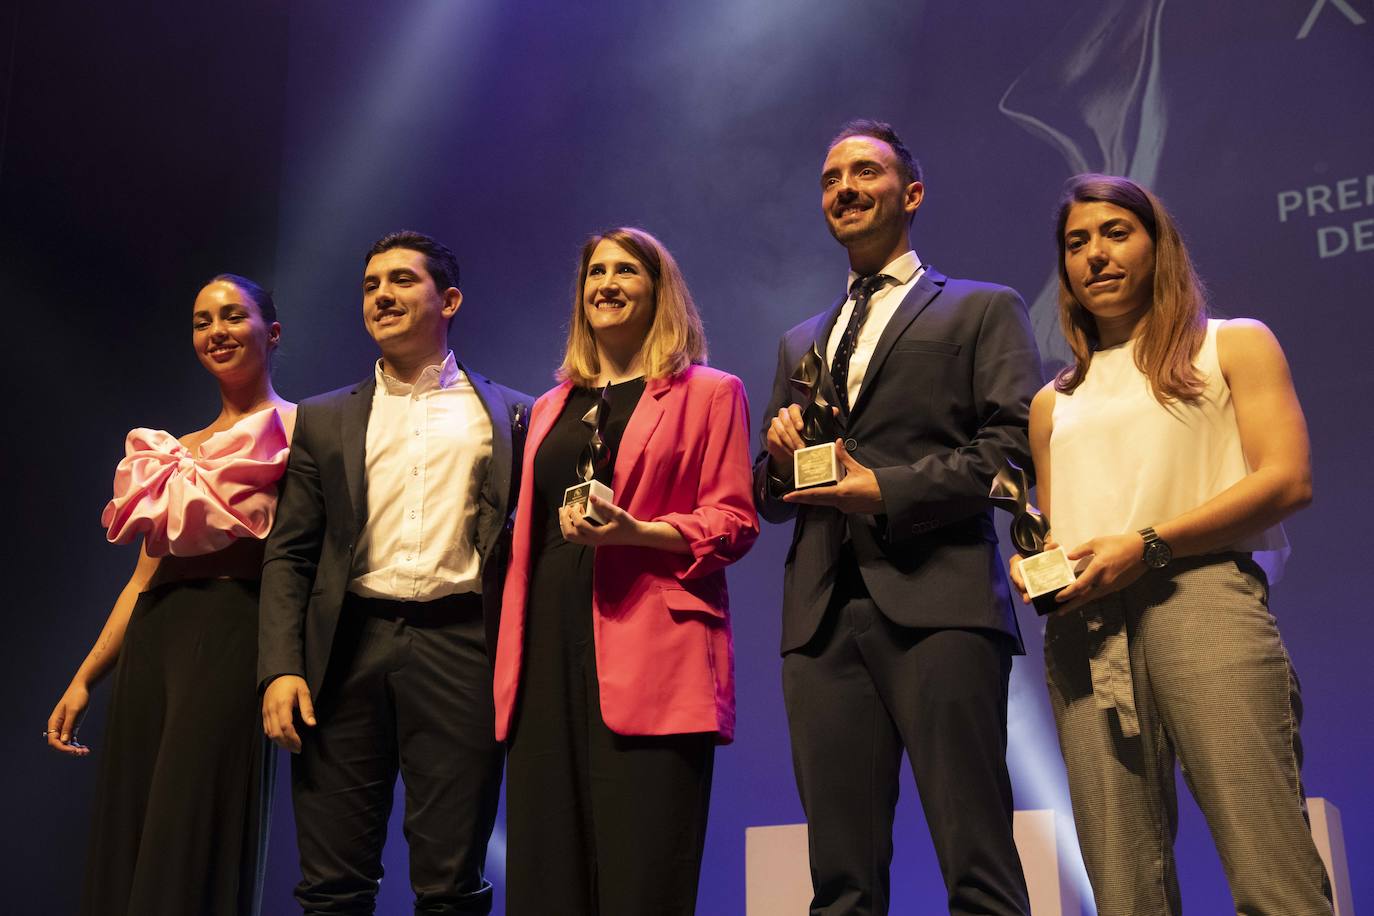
1044	572
594	458
817	464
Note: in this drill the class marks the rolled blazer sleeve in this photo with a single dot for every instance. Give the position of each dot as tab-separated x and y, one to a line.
945	487
724	525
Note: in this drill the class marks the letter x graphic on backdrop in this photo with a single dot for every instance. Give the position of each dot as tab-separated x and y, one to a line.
1354	17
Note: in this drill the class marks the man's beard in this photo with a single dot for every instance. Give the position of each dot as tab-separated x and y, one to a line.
846	234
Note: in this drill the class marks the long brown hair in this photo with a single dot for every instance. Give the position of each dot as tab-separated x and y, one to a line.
676	339
1176	323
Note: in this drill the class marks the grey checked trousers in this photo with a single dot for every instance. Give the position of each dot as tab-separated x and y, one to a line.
1186	664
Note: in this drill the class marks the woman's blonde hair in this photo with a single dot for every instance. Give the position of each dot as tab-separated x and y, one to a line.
675	339
1176	323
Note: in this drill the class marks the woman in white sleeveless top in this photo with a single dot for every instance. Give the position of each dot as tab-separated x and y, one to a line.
1166	455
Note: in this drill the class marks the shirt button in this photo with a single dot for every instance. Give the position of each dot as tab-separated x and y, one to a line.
414	471
417	432
412	513
407	558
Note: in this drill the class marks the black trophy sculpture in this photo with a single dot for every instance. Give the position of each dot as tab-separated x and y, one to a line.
1044	572
595	457
817	464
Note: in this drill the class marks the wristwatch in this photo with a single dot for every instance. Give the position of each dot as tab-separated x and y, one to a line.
1157	553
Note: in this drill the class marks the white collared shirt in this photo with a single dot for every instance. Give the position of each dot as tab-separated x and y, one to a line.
428	450
906	270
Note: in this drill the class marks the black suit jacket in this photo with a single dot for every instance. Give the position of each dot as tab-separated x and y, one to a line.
944	404
321	510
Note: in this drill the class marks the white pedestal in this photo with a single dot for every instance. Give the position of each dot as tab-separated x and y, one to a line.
1051	891
1330	840
778	872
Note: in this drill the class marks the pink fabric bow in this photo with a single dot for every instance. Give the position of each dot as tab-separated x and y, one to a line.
190	504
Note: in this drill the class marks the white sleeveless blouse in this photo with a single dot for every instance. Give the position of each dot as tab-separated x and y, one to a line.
1122	461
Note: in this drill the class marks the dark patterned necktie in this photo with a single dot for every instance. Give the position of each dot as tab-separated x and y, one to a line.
862	290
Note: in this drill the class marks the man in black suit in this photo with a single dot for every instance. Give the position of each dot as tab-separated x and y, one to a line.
898	629
380	595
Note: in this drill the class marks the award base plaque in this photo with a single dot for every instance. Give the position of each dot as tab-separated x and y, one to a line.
1045	575
816	466
580	496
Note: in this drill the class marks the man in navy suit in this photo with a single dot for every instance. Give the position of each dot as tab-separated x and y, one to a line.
898	627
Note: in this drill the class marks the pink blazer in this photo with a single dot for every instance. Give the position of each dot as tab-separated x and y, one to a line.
661	621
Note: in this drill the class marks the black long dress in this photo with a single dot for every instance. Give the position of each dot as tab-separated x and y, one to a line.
185	776
597	823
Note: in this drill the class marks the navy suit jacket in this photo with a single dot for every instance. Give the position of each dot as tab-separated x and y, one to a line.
321	510
943	406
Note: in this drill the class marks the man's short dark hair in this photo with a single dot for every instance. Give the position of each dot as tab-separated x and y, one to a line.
881	130
439	259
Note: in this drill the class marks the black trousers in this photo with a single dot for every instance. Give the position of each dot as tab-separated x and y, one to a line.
597	823
408	690
185	784
858	694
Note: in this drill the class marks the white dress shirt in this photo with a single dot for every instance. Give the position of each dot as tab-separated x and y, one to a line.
428	450
906	270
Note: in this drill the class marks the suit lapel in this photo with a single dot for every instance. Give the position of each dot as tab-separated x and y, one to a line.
926	289
498	477
353	433
647	413
825	326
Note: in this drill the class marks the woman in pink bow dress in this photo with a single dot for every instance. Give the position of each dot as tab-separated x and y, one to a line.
185	778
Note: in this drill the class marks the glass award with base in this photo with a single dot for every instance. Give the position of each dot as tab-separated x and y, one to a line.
817	464
1045	572
595	458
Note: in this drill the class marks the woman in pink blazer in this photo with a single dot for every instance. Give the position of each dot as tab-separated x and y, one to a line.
615	667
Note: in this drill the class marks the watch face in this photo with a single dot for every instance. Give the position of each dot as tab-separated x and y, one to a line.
1157	554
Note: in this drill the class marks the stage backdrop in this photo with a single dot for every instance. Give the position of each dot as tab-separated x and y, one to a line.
142	151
